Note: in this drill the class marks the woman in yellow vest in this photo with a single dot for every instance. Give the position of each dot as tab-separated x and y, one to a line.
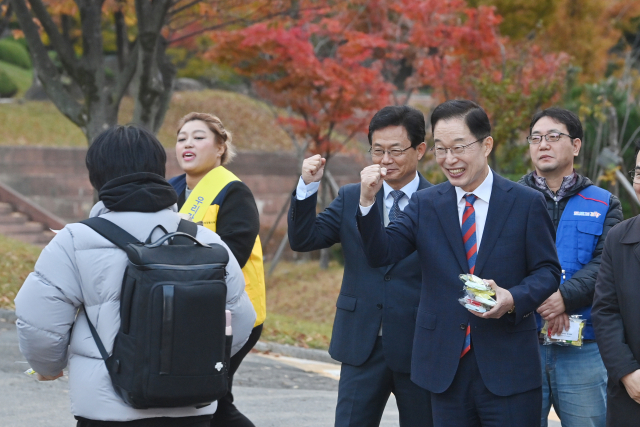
211	194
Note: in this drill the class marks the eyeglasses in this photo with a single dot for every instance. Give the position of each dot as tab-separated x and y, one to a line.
635	175
550	137
396	152
457	150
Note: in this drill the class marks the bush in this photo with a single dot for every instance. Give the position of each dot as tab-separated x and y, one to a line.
7	87
14	53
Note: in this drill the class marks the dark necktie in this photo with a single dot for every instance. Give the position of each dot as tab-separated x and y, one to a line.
471	248
395	208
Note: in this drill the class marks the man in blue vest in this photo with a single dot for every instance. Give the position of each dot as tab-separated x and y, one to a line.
574	378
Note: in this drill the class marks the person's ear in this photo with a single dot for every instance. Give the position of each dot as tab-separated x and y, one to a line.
222	148
577	144
488	145
421	149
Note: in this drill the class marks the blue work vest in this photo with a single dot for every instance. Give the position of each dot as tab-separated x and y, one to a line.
578	232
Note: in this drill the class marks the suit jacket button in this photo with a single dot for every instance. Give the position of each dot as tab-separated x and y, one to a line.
463	326
387	278
379	306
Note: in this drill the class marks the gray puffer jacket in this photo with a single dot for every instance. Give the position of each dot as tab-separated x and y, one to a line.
81	267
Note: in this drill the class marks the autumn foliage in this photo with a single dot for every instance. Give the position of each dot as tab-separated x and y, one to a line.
326	66
332	84
332	68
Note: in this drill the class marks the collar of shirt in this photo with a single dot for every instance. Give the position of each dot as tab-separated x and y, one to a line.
408	191
567	183
483	192
481	206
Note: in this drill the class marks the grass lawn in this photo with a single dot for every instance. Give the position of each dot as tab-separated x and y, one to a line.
301	303
21	77
250	121
16	262
301	298
37	123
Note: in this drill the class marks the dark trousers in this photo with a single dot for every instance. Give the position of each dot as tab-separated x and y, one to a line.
200	421
622	410
363	392
227	415
468	402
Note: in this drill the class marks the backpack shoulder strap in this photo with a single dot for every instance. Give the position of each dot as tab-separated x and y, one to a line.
96	338
110	231
188	227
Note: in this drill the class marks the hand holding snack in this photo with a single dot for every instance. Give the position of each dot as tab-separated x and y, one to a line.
478	299
478	295
559	324
571	335
504	302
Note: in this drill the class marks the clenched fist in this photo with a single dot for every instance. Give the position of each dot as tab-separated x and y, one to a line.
313	169
371	179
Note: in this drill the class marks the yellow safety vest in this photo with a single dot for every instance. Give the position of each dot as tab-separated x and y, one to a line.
203	205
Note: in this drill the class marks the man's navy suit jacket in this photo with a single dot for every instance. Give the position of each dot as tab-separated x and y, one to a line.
517	251
368	295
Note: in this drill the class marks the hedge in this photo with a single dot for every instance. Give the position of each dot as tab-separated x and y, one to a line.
14	53
7	87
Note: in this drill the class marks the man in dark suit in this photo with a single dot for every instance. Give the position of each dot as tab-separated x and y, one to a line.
481	369
376	308
616	318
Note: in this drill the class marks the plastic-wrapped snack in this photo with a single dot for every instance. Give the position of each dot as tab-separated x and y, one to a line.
470	303
478	295
573	336
484	298
474	282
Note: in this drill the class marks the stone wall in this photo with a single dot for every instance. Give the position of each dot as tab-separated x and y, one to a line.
57	180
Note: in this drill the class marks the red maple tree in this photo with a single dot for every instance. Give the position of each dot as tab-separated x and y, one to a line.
325	82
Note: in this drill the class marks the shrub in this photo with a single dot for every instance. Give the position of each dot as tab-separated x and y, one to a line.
14	53
7	87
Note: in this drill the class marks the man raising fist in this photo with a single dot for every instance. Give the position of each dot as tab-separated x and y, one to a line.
313	169
481	368
375	315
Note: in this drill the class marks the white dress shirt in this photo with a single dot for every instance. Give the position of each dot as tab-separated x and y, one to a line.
408	191
304	191
481	205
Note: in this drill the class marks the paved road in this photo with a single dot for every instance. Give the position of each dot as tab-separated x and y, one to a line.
269	390
272	391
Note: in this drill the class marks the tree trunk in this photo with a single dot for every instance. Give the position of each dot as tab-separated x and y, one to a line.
146	59
155	72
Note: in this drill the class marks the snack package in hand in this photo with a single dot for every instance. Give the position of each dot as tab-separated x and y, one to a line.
474	282
573	336
478	294
471	304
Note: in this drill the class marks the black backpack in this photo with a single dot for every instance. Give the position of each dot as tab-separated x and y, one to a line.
171	349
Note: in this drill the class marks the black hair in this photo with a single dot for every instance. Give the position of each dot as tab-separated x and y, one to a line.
123	150
560	115
637	144
410	118
474	116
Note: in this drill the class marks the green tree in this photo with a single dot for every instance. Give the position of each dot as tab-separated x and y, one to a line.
76	31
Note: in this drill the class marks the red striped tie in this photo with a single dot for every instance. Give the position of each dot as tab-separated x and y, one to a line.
471	248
